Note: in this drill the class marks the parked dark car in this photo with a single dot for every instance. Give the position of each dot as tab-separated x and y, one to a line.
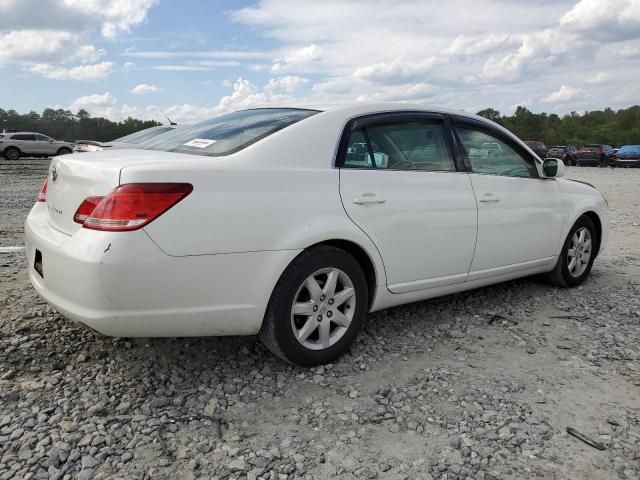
595	154
628	156
567	153
537	146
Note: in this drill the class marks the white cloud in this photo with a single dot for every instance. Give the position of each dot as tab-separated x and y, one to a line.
456	53
244	94
600	78
93	102
302	59
114	16
538	51
47	37
478	44
34	45
288	84
614	19
400	69
405	92
565	94
117	15
143	89
181	68
223	54
92	72
86	54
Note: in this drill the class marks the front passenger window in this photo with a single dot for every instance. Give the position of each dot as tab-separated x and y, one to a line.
490	155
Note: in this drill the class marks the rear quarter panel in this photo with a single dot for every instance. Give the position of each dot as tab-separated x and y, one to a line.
278	194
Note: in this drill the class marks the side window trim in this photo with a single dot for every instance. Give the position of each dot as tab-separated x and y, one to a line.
372	157
394	117
461	122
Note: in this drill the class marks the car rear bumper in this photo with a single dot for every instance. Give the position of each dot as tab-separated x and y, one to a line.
122	284
589	160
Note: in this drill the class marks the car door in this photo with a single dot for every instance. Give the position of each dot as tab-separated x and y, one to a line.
43	145
24	142
400	184
520	215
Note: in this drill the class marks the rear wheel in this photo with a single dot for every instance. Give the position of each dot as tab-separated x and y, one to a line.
577	256
64	151
11	153
317	308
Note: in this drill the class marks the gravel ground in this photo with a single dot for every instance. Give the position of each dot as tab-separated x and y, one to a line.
475	385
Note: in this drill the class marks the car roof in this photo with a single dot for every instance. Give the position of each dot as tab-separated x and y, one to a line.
364	108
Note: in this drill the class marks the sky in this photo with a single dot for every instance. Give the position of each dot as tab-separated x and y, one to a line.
193	59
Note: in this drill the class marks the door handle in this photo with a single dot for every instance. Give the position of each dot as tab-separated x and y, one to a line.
366	198
489	198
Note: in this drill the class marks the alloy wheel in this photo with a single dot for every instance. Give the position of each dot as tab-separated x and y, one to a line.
323	308
579	252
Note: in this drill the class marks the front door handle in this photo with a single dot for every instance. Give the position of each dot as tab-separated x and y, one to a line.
366	198
489	198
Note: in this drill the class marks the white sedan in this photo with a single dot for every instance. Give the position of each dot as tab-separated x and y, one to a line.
294	223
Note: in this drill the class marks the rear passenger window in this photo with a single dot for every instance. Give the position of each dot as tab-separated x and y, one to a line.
400	146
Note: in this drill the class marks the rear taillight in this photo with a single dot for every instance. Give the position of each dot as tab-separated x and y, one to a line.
42	196
134	205
86	208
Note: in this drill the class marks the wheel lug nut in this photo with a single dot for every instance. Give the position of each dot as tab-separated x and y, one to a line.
322	297
329	313
319	318
315	308
331	301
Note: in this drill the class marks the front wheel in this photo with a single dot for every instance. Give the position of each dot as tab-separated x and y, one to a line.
317	308
577	256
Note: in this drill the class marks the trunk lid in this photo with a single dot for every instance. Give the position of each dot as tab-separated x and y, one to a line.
72	178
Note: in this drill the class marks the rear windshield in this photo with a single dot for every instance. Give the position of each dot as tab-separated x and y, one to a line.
143	135
228	133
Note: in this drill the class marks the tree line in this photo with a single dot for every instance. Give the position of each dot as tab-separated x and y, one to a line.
606	126
62	124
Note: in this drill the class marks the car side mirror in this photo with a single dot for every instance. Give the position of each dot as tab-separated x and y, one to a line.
51	141
552	168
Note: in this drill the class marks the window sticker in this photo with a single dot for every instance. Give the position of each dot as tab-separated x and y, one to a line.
200	143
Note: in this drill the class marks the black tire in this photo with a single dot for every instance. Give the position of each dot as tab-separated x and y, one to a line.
560	275
11	153
277	332
64	151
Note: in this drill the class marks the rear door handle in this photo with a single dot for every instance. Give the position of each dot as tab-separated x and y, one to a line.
489	198
368	198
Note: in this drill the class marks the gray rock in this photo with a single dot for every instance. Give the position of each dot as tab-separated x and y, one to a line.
88	462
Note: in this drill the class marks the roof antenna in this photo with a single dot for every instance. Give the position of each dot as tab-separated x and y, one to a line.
173	124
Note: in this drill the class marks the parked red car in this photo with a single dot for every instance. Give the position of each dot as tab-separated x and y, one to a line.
595	154
567	153
537	146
